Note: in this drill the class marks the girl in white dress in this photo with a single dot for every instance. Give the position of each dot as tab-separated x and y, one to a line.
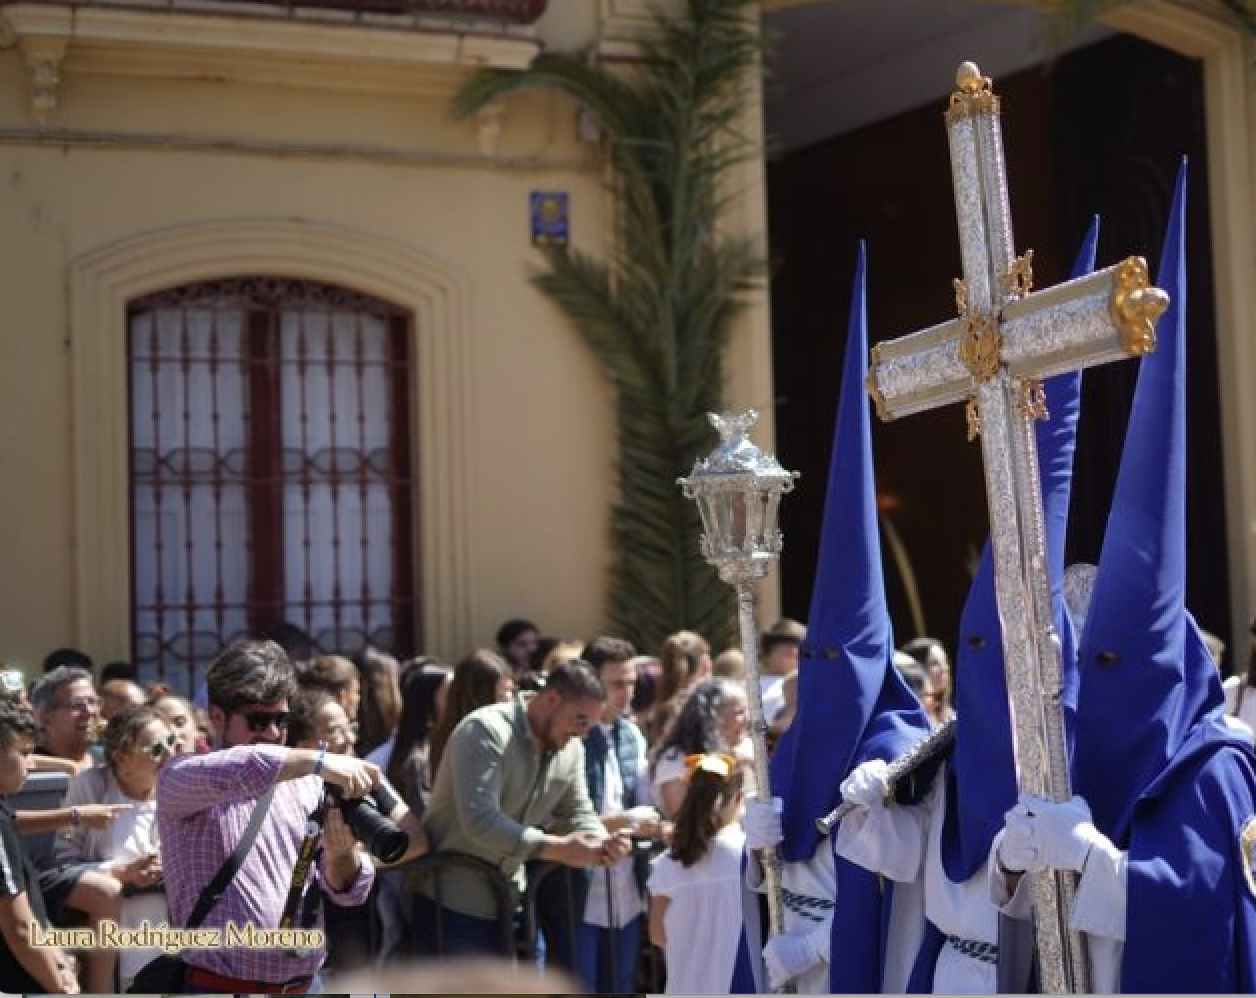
696	887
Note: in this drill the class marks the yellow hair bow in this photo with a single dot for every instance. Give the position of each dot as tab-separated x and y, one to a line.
717	764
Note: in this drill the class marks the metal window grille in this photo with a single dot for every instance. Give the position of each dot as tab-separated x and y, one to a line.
270	471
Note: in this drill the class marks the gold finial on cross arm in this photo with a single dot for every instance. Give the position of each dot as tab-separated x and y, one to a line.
969	80
1135	306
973	93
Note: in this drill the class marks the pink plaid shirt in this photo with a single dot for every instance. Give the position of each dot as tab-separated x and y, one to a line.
203	806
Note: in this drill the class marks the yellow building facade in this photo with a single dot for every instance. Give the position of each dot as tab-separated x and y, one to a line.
149	147
154	147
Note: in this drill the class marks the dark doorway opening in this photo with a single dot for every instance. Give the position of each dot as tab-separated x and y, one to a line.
1101	130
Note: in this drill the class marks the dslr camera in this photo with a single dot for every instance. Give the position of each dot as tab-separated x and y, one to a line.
370	825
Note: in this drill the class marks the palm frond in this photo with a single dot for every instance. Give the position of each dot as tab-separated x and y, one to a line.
659	312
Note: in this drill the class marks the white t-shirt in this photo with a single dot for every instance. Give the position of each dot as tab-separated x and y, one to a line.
133	834
671	766
615	882
703	922
667	767
772	692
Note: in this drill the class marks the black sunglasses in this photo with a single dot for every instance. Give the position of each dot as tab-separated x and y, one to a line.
260	720
160	747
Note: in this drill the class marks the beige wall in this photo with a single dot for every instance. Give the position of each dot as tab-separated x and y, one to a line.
345	170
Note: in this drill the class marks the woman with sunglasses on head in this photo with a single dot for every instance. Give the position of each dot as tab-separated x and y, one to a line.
137	743
180	715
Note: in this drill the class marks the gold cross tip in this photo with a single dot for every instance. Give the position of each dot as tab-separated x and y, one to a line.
968	78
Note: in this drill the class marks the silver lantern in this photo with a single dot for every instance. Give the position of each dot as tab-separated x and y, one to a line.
738	489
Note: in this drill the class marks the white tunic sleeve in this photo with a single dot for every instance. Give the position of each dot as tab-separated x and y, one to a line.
886	840
1098	910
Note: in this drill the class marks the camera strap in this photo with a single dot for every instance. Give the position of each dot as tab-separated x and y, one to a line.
215	889
301	900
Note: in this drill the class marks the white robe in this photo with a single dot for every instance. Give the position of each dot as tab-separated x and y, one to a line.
810	889
904	845
817	878
1098	911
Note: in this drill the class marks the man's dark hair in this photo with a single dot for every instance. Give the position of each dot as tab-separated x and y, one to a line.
118	670
512	629
67	656
603	650
292	639
784	632
302	723
45	689
332	673
251	672
15	722
575	680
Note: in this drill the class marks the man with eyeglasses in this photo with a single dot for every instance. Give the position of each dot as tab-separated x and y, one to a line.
204	804
68	711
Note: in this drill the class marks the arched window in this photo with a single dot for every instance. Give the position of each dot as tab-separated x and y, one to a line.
270	470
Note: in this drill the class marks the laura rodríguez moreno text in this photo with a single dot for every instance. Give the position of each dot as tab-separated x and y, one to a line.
111	935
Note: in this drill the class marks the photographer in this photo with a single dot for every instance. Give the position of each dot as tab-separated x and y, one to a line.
380	821
204	803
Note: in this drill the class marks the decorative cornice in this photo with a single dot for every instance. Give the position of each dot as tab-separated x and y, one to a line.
43	55
367	54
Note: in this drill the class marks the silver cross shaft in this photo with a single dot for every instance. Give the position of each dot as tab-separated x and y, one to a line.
994	356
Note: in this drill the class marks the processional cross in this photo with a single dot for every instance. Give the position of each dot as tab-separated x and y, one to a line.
994	356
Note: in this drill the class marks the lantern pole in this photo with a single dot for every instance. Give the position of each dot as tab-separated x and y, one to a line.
738	490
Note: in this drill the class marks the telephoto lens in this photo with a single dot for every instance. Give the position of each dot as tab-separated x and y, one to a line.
379	833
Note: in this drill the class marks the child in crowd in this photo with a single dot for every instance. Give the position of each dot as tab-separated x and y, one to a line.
23	966
695	887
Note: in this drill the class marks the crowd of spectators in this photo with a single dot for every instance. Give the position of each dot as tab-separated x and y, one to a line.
395	801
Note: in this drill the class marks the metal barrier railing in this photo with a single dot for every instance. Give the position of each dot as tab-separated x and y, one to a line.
522	944
501	886
538	877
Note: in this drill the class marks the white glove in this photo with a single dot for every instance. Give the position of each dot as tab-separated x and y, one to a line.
1014	853
868	785
790	954
762	822
1061	834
